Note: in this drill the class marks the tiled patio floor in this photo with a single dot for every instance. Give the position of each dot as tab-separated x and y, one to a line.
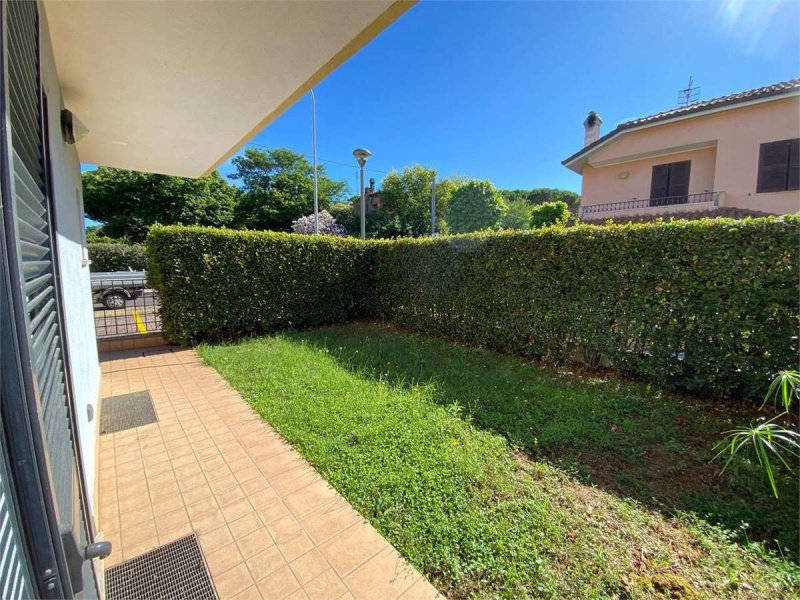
268	524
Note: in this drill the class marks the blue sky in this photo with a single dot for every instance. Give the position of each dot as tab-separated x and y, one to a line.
499	90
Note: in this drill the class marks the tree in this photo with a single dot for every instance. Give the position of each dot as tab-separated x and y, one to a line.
129	202
518	216
540	195
474	206
346	216
406	199
549	213
278	188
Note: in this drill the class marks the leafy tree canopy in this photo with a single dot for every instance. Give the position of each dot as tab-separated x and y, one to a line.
549	213
518	216
540	195
406	197
129	202
474	206
278	188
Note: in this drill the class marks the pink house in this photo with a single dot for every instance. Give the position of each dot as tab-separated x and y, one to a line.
738	154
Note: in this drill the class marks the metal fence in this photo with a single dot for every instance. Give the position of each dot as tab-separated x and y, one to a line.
124	305
712	197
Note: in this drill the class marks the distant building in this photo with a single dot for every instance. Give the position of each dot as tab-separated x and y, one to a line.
372	197
736	155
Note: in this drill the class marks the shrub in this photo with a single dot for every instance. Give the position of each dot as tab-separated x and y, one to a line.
474	206
705	306
549	213
327	224
518	215
219	284
116	257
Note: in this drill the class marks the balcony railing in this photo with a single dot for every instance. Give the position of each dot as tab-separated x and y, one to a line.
705	197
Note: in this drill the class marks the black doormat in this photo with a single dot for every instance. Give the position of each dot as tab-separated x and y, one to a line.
175	571
126	412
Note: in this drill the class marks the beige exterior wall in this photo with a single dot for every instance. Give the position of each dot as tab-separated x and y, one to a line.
722	146
631	180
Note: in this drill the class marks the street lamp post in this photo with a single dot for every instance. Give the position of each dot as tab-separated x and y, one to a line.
314	159
362	154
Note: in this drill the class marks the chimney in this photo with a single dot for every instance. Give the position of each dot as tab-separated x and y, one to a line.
592	128
371	185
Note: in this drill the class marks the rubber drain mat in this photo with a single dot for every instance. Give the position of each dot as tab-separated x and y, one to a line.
126	412
175	571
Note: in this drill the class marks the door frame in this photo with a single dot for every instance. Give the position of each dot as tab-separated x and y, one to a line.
21	413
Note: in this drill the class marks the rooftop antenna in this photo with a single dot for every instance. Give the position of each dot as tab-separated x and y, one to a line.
689	94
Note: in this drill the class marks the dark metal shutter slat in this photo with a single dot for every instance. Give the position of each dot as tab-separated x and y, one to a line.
29	233
34	284
35	246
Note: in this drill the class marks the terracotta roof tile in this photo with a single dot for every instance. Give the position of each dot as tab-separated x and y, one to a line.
696	107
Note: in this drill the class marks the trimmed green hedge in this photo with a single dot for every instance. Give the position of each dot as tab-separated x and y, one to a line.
220	284
706	306
116	257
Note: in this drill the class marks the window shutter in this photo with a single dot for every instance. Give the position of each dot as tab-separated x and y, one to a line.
773	158
793	179
659	185
679	178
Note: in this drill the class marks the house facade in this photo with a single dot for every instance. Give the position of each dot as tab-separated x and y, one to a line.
167	87
734	154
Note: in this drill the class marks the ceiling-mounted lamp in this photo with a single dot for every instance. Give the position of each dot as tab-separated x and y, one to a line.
71	127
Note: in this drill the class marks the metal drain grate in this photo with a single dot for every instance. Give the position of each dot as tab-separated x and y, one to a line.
126	412
176	571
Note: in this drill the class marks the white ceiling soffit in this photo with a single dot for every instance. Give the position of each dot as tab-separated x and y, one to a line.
177	87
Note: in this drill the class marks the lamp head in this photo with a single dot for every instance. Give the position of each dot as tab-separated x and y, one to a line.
361	154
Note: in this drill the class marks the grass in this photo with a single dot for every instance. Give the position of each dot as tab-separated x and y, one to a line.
498	478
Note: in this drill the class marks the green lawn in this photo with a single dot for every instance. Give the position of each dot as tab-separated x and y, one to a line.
499	478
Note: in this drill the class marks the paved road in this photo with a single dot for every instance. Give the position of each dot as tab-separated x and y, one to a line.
138	316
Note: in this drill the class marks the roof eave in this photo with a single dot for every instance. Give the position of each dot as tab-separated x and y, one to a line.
578	161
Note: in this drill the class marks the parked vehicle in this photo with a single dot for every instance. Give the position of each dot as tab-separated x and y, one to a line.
114	289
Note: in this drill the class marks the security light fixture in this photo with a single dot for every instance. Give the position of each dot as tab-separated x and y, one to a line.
72	129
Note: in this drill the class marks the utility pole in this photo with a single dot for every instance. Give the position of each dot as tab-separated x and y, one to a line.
314	159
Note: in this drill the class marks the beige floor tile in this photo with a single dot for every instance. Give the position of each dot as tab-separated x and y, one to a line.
233	581
246	525
223	559
215	539
295	546
324	586
312	497
254	542
308	566
268	524
354	546
264	563
278	584
421	590
383	576
250	593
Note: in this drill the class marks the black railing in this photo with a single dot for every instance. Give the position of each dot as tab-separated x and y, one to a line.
124	305
710	197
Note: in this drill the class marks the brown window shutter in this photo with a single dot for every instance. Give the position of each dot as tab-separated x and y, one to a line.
793	177
773	161
659	184
679	178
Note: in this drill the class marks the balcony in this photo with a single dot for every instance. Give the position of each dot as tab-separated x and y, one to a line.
652	205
